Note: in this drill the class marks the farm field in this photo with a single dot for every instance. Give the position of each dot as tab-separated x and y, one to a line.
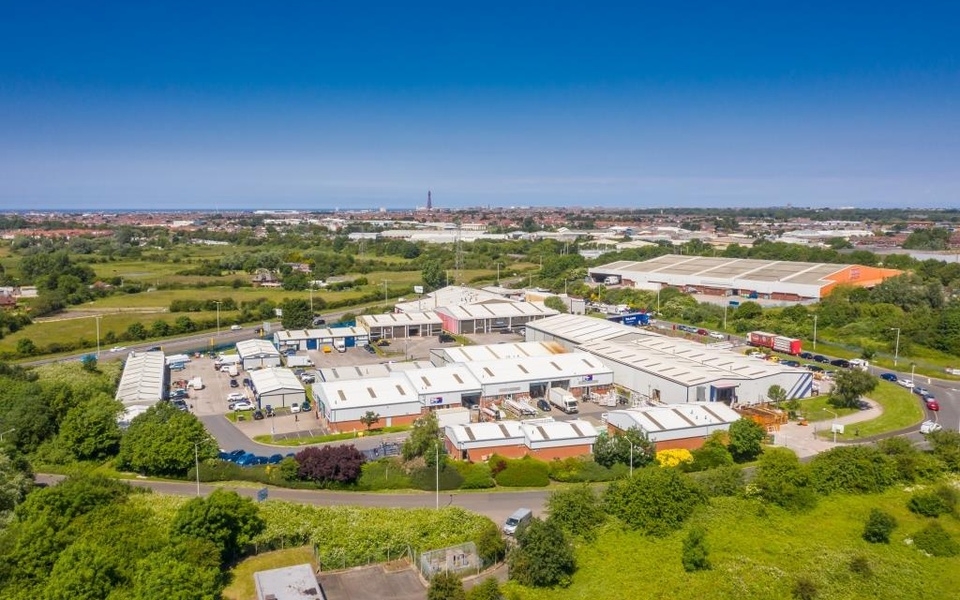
761	553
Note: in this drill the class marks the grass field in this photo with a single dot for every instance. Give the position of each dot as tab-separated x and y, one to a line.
757	555
242	587
901	409
813	409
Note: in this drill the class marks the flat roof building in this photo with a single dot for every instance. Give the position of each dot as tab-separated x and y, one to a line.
341	404
144	379
315	339
401	325
546	439
257	354
681	426
465	354
277	387
745	277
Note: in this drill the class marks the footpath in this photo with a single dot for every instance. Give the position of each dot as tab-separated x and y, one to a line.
805	439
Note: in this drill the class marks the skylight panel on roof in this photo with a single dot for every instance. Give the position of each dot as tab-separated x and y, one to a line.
400	389
372	393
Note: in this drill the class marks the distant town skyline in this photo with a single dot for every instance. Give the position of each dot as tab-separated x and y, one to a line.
177	105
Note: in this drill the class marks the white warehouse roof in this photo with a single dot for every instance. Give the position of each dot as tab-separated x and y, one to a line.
436	380
579	329
268	381
369	371
449	296
465	354
256	348
363	393
143	378
573	365
676	368
548	433
481	435
660	423
400	319
299	335
497	310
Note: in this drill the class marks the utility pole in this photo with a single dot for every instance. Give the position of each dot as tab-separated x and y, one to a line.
384	292
217	302
814	332
896	351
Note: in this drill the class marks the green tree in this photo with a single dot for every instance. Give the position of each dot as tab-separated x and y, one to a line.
655	500
609	450
777	394
446	586
711	455
747	310
849	385
90	429
16	481
89	363
161	442
946	448
137	331
544	556
695	552
369	419
577	510
84	571
852	469
26	347
296	314
782	480
424	436
433	275
224	518
746	439
556	303
170	574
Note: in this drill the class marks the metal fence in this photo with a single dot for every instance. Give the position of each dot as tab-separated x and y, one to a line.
460	559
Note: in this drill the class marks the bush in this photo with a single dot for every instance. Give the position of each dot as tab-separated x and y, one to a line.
584	470
577	510
711	455
476	476
853	469
909	463
934	540
695	552
804	589
861	566
879	526
946	447
544	556
721	481
655	500
490	544
524	472
746	440
782	480
674	457
933	503
425	478
336	464
383	474
488	589
446	586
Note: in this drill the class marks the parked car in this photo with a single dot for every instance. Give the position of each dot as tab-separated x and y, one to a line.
930	427
246	460
815	368
294	408
258	415
382	343
863	405
790	363
806	355
921	391
181	405
840	362
118	349
370	349
446	337
891	377
543	405
235	327
234	383
269	410
307	378
717	335
820	358
236	396
932	404
907	383
275	458
242	405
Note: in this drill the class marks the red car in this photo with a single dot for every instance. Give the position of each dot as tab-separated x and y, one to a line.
932	404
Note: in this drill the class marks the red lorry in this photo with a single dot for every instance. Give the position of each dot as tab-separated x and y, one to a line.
775	342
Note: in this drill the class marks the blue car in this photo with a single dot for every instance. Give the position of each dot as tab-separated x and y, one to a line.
274	459
247	460
891	377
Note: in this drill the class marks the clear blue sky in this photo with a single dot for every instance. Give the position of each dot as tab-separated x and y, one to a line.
134	104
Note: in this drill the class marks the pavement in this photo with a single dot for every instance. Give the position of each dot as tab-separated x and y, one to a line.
805	439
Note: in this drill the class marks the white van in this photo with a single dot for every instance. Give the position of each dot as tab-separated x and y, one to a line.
520	518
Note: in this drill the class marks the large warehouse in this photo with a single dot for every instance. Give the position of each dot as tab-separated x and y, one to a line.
741	277
277	387
649	367
144	379
341	404
401	325
491	317
684	426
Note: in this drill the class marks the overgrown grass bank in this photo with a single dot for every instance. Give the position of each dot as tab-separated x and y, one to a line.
761	553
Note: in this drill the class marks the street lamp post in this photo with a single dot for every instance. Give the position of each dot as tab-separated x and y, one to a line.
384	292
814	332
196	462
833	424
631	458
913	369
217	302
438	473
896	349
98	317
311	301
724	317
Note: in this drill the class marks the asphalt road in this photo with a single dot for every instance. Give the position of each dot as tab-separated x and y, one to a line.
496	505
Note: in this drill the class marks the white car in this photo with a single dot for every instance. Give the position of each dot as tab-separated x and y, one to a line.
118	349
235	396
235	327
907	383
242	405
930	427
294	408
717	335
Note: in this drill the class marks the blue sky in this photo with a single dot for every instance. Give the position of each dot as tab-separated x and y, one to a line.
116	105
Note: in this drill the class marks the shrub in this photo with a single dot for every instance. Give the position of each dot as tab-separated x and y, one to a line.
861	566
782	480
544	556
577	510
711	455
909	463
746	440
804	589
721	481
695	552
476	476
853	469
933	503
338	464
383	474
446	586
582	470
946	447
425	478
488	589
934	540
490	544
655	500
525	472
879	526
674	457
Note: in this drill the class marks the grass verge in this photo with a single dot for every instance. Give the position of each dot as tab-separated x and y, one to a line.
901	409
333	437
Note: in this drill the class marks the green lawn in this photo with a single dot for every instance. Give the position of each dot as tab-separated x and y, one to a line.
901	409
242	587
757	555
813	409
